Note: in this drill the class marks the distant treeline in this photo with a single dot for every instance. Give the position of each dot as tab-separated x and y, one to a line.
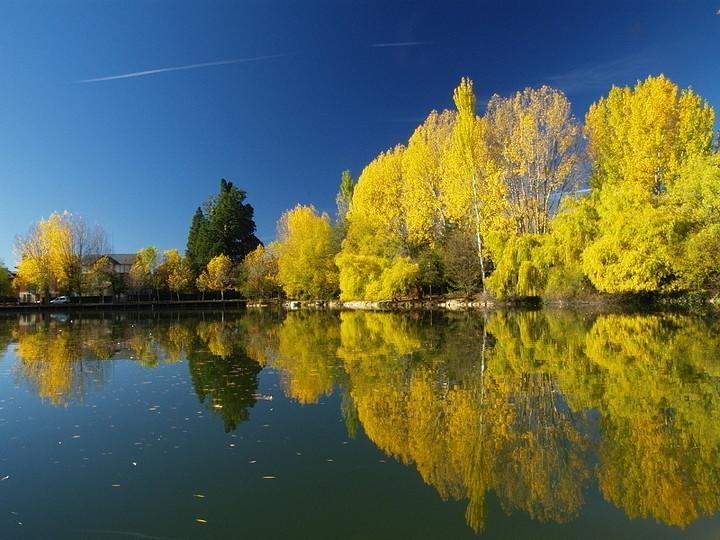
63	255
521	201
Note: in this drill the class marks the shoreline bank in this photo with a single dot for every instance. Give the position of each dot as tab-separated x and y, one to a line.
149	305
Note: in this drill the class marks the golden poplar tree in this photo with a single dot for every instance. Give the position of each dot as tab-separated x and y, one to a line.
472	193
306	253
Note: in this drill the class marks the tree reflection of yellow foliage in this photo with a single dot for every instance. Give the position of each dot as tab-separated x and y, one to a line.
176	339
221	337
660	454
509	428
55	358
306	355
503	402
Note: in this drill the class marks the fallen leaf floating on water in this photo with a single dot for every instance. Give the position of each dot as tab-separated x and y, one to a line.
200	520
269	477
4	478
198	495
115	485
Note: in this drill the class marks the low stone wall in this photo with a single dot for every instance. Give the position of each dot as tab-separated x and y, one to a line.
391	305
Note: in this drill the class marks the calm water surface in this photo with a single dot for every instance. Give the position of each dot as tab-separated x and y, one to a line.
359	425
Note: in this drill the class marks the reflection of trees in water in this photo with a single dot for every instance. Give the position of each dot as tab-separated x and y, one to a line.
306	356
6	334
541	465
63	358
468	430
496	403
521	427
61	361
660	451
224	377
227	384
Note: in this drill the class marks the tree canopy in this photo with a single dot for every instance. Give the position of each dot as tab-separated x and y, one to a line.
223	226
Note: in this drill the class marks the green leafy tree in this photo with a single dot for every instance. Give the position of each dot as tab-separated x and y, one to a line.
431	270
5	283
344	195
343	200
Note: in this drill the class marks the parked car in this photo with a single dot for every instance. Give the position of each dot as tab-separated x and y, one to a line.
60	300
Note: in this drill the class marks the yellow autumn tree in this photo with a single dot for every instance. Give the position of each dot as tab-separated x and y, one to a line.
535	143
218	276
535	140
639	139
56	251
472	192
373	263
376	220
46	254
260	269
306	252
695	202
424	214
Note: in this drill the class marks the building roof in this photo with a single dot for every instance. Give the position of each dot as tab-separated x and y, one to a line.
123	258
115	258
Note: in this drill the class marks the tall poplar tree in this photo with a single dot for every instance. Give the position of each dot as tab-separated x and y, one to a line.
472	190
344	195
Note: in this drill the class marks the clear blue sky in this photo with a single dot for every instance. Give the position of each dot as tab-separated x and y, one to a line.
330	85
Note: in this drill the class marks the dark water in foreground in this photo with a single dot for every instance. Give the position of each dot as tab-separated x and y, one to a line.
359	425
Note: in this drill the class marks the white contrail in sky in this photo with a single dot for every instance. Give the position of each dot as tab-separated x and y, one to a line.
400	44
180	68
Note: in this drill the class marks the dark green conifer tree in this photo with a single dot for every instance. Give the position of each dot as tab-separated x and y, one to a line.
231	226
198	246
224	227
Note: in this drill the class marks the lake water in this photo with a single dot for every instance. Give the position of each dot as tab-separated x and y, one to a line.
544	424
